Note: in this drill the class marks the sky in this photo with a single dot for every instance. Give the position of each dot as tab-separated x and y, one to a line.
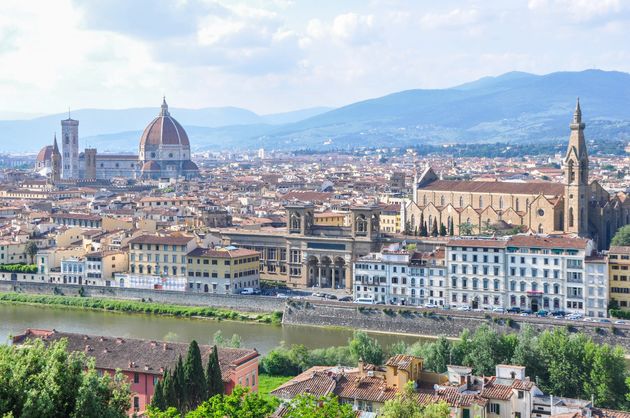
281	55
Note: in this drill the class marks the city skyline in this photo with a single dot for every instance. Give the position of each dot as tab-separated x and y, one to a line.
203	54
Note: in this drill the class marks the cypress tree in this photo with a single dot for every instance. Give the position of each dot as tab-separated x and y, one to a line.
423	230
442	230
451	229
179	385
158	400
194	378
213	374
169	393
434	230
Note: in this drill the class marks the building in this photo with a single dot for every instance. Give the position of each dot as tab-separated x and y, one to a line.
383	277
619	276
575	206
306	254
48	162
143	362
160	255
164	152
223	270
165	148
596	282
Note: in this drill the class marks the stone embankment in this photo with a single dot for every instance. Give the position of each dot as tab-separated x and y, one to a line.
434	323
234	302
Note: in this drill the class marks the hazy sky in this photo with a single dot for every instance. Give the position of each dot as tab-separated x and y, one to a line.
280	55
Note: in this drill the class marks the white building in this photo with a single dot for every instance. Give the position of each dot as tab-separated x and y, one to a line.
596	287
383	277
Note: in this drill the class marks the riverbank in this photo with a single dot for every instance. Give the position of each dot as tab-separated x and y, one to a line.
144	307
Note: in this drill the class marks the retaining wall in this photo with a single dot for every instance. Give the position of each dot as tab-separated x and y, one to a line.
437	323
236	302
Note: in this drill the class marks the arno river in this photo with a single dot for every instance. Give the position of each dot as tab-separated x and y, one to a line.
16	318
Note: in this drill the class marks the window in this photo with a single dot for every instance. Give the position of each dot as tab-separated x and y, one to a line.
136	378
136	403
494	408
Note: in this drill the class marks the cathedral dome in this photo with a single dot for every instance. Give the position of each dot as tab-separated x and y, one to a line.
164	130
151	166
45	154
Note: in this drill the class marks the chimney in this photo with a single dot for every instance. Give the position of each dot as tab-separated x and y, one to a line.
164	347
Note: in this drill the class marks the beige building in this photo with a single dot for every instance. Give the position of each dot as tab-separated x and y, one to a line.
574	206
160	255
305	254
223	270
12	252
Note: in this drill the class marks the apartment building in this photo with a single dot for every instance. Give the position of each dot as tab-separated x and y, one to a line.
12	252
596	286
428	273
619	275
383	277
160	255
223	270
476	272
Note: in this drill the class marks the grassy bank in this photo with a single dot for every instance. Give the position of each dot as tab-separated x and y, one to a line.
267	383
132	306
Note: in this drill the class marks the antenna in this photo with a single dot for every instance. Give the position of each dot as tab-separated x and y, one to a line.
68	112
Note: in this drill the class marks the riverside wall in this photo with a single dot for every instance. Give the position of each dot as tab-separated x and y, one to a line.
409	320
235	302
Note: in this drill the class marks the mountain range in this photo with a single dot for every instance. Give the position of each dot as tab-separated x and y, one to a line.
513	107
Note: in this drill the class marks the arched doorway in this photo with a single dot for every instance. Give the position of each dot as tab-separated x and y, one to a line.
475	302
312	271
339	273
535	305
205	288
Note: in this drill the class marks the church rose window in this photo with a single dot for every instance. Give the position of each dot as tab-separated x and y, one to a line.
541	212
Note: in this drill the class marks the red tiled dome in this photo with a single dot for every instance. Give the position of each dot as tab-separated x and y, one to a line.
164	130
189	166
45	154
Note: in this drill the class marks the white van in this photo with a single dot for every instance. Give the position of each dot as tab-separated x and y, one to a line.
365	301
247	291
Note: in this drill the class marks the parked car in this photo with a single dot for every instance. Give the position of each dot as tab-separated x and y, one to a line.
499	309
329	296
526	311
318	295
604	321
366	301
282	295
345	299
430	305
620	322
542	313
463	308
558	313
514	310
247	291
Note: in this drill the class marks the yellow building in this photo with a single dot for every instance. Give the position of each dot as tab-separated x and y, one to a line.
159	255
619	275
390	219
223	270
331	219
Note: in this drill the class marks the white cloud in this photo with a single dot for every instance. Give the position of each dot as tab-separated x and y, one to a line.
450	19
353	28
578	11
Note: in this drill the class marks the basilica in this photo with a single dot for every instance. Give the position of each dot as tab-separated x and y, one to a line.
575	206
164	152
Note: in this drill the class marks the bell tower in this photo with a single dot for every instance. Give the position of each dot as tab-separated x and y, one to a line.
575	167
70	148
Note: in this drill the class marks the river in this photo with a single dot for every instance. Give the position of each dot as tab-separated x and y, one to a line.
16	318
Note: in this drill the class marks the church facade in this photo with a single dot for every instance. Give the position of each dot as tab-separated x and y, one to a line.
164	152
575	206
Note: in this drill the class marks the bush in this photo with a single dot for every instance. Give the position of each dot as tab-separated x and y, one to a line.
19	268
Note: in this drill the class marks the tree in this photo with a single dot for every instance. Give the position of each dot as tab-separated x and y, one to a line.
423	230
214	381
438	356
434	229
195	389
31	250
309	406
408	228
442	230
241	403
466	229
158	402
278	362
366	349
38	380
169	392
451	228
606	381
622	237
179	385
405	405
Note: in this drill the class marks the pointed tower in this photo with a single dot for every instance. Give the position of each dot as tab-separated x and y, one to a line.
576	195
70	148
55	163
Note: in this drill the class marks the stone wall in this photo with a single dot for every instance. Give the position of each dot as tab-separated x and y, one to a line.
236	302
424	322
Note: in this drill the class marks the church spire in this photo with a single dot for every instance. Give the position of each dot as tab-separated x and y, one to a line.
577	115
55	147
164	107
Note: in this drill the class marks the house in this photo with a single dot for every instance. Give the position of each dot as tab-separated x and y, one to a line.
143	361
